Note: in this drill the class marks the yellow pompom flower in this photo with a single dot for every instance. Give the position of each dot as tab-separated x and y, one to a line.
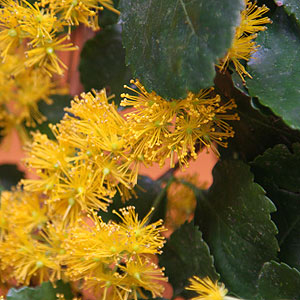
27	211
49	159
140	236
208	290
29	259
77	191
142	273
11	34
38	24
159	129
244	45
45	57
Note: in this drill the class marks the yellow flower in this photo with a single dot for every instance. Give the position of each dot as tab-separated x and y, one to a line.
27	211
38	24
141	237
208	290
244	44
49	159
252	19
142	273
29	259
78	190
45	57
10	31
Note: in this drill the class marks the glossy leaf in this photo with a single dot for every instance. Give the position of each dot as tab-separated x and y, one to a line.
102	63
186	254
45	291
279	282
274	65
10	175
236	224
278	172
108	17
173	45
53	113
146	192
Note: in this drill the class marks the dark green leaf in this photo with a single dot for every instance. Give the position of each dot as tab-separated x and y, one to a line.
236	224
278	172
279	282
147	190
10	175
186	254
292	7
53	113
102	62
43	292
173	45
257	130
273	66
108	17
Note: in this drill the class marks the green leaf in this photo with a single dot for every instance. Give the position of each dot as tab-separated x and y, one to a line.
279	282
258	128
273	66
102	62
43	292
108	17
278	171
292	7
173	45
236	223
54	113
10	175
184	255
146	192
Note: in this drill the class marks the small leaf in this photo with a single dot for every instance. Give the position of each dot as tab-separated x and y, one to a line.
45	291
186	254
273	66
278	172
147	190
279	282
173	45
102	62
54	113
236	224
10	175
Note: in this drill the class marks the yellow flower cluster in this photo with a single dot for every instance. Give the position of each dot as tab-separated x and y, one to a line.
113	259
177	129
20	96
34	30
97	153
244	45
31	35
